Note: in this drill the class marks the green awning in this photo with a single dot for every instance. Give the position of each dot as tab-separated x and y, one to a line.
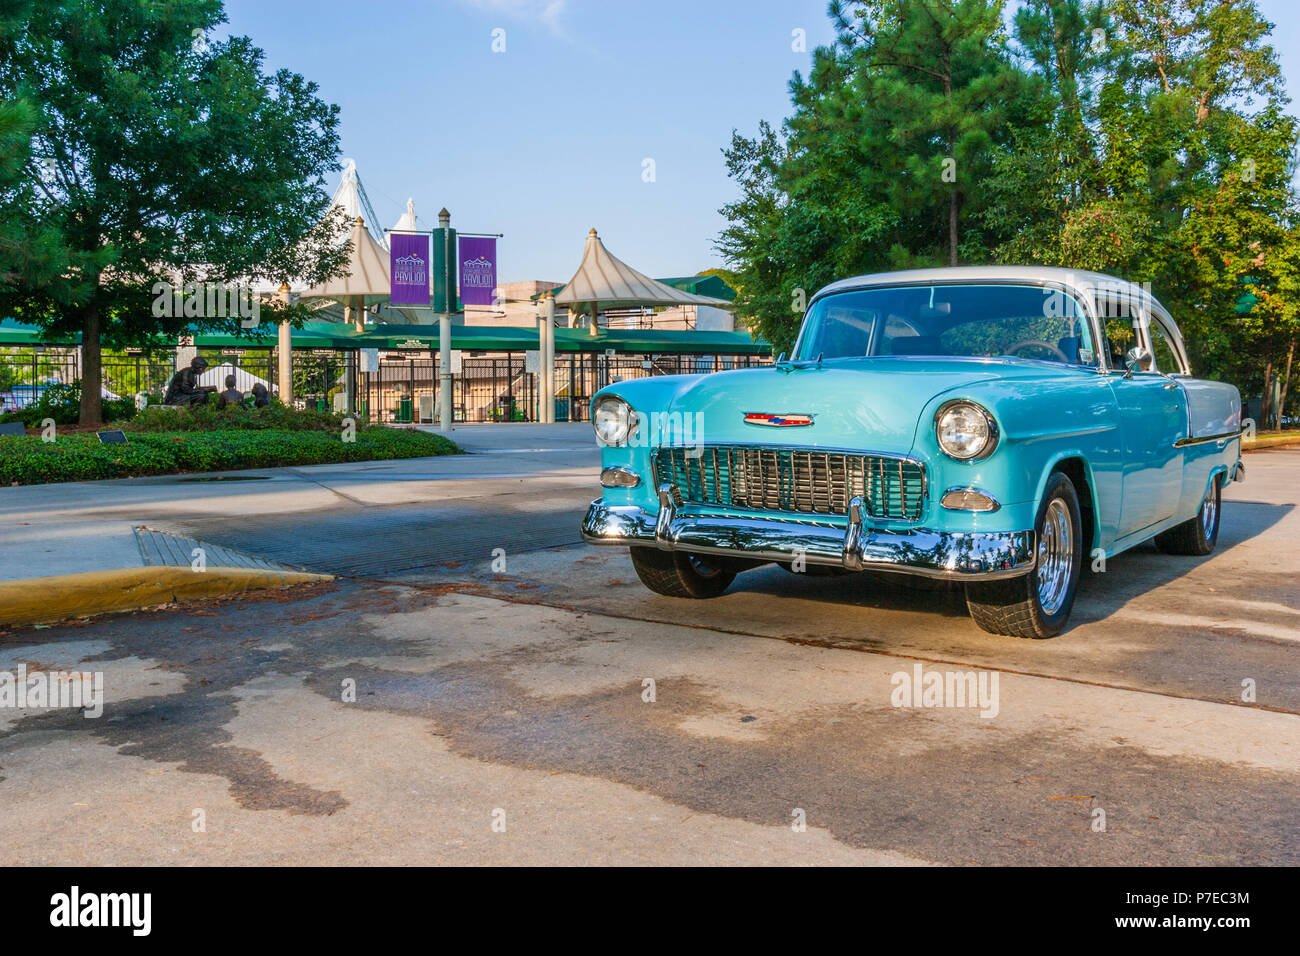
713	286
660	342
466	338
17	334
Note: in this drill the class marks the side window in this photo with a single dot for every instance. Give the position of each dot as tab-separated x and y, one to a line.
1163	349
1120	334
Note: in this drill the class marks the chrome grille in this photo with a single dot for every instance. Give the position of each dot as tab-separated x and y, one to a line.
801	481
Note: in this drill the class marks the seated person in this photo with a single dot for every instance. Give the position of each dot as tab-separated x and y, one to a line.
184	388
260	397
231	396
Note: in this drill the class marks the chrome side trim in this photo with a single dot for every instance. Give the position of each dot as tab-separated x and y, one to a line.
963	556
1223	436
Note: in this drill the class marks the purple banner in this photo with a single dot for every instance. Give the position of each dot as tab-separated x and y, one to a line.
409	265
478	270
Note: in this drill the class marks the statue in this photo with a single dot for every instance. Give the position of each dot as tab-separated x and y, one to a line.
231	396
260	398
184	388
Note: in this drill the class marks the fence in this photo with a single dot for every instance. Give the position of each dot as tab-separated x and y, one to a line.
26	373
404	389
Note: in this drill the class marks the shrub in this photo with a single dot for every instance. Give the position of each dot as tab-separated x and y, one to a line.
80	457
63	404
209	418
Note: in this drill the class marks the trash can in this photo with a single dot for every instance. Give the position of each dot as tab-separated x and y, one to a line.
322	405
404	411
561	409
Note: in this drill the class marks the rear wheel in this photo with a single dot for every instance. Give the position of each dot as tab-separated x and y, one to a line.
679	574
1200	534
1038	604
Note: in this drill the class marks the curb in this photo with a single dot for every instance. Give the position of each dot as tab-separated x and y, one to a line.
1269	441
61	597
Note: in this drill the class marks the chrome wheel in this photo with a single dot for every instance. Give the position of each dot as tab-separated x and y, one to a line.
1055	557
1209	511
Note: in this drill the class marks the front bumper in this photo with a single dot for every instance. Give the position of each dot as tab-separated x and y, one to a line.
966	556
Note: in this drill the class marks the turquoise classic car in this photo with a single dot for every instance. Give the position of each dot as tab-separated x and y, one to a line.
994	426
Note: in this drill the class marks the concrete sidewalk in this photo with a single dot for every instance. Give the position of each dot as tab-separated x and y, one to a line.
75	528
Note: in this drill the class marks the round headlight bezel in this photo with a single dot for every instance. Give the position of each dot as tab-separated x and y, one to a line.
981	413
612	408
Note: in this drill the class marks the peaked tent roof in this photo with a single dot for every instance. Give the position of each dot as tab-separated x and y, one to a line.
351	197
614	284
367	272
408	222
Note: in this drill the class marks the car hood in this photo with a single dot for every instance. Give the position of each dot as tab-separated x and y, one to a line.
871	403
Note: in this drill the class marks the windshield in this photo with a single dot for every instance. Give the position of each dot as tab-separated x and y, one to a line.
1025	321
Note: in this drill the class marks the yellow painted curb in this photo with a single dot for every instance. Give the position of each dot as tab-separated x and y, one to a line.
65	596
1269	441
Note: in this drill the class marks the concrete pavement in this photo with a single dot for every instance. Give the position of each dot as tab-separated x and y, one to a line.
399	713
94	527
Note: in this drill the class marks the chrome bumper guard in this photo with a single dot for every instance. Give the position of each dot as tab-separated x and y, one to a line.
963	556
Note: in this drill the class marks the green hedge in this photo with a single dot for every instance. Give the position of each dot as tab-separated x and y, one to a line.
27	460
209	418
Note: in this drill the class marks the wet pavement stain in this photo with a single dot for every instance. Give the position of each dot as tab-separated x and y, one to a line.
848	768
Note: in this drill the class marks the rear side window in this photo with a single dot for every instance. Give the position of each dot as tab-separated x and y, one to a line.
1163	349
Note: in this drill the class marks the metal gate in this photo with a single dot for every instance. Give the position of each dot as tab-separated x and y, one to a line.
497	389
25	374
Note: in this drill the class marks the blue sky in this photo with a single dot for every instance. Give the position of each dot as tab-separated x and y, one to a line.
548	138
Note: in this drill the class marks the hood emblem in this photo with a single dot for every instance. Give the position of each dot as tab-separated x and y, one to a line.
788	420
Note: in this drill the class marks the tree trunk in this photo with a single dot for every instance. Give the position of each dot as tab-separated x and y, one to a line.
1265	405
92	405
952	228
1286	381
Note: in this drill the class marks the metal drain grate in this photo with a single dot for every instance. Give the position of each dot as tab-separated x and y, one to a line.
158	547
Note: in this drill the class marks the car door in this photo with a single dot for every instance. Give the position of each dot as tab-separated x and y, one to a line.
1153	419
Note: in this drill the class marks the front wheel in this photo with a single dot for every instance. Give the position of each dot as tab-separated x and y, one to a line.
678	574
1038	604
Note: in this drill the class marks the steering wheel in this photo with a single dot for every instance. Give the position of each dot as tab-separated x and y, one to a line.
1041	344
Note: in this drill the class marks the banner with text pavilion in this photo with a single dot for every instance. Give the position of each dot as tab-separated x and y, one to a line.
409	267
478	270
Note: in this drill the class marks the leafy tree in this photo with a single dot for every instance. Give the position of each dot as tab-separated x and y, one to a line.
156	155
878	165
1143	138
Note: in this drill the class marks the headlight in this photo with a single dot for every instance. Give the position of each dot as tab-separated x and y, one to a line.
965	431
613	420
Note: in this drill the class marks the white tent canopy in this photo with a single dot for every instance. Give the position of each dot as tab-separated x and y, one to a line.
408	222
350	196
366	276
244	379
613	284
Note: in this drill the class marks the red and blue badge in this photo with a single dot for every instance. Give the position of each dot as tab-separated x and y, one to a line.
788	420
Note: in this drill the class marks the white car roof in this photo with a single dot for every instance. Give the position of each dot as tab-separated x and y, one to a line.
1087	284
1080	280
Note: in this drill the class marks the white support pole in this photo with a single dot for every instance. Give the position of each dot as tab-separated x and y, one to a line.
444	370
541	363
548	357
284	344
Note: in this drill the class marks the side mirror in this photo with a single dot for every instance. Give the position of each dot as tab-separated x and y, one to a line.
1135	359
